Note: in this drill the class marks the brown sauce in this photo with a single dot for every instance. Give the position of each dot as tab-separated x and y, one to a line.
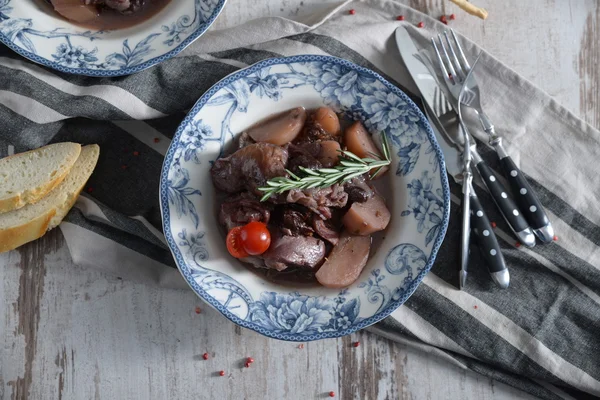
109	19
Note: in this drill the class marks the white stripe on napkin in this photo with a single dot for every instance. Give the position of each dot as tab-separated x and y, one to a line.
228	61
91	210
118	97
515	335
29	108
117	260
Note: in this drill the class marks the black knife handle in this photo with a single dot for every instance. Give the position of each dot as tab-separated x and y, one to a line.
485	236
503	200
526	198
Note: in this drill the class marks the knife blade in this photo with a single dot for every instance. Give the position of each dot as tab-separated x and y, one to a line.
435	101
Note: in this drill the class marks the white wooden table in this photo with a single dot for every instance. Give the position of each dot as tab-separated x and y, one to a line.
73	333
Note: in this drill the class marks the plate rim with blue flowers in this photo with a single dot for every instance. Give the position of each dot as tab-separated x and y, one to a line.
338	307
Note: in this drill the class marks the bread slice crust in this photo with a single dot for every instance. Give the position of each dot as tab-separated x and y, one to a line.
34	220
14	201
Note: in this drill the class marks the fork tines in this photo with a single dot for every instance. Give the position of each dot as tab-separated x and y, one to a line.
455	70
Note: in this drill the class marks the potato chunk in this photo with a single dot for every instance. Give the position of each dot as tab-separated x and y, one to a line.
368	217
280	129
345	262
359	142
328	120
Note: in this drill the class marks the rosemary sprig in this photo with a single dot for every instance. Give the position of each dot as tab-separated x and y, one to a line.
350	166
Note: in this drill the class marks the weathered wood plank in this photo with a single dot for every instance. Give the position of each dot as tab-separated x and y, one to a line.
588	61
552	43
72	333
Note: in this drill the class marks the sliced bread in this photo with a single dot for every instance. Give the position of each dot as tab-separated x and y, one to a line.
27	177
33	220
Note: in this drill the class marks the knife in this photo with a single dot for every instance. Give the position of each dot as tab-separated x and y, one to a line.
434	101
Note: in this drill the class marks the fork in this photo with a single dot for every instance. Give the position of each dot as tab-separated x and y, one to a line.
454	77
445	119
527	200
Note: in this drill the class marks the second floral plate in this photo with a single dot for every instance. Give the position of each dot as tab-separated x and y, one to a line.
32	29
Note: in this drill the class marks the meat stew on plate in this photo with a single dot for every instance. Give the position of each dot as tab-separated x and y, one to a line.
297	196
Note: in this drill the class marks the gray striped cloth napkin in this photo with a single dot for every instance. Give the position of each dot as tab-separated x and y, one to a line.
542	335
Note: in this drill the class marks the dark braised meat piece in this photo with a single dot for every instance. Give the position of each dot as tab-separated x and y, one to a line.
303	156
356	194
319	200
298	251
249	168
358	189
242	208
313	132
319	154
312	149
294	221
326	229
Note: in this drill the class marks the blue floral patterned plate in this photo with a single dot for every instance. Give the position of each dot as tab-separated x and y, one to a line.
418	198
35	31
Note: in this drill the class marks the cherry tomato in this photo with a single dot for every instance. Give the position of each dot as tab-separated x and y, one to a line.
255	238
234	243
